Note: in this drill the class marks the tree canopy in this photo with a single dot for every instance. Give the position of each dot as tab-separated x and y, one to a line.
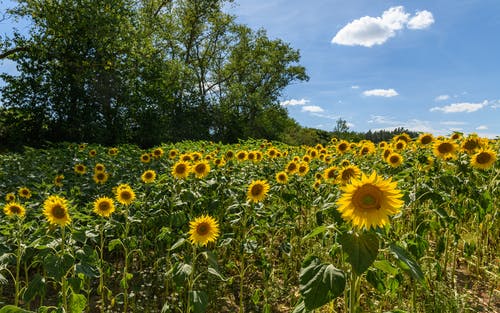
149	71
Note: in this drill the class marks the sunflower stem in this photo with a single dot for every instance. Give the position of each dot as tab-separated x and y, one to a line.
64	284
101	264
191	279
18	260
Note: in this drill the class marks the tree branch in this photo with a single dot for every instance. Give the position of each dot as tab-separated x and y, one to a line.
6	54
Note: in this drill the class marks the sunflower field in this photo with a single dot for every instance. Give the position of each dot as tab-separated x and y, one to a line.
409	225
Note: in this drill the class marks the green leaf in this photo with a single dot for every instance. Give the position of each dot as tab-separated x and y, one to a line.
361	249
77	303
182	272
113	243
320	283
87	270
58	266
386	267
300	307
318	230
13	309
199	301
216	273
179	243
405	257
36	287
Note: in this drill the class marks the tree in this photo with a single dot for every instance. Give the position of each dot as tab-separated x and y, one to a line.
147	71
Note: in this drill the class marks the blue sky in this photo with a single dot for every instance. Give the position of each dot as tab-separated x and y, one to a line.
427	65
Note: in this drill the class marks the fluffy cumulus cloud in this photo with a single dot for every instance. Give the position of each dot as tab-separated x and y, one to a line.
467	107
293	102
312	109
442	98
381	93
482	127
368	31
421	20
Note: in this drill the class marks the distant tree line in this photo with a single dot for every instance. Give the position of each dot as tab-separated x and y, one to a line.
143	72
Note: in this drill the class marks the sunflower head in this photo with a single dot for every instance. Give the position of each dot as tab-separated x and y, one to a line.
425	139
113	151
148	176
24	192
181	169
343	146
203	229
303	168
100	177
104	206
368	202
404	136
316	184
173	153
445	149
272	153
292	167
14	209
394	159
186	157
484	159
145	158
347	173
251	156
229	154
201	169
257	190
330	173
92	153
471	144
281	177
55	209
241	155
125	194
80	169
10	197
99	167
158	153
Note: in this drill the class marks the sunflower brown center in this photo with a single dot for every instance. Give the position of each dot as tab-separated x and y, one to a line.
100	176
426	140
126	195
470	145
15	209
292	167
394	159
148	175
257	190
180	169
200	168
342	147
347	174
445	147
104	206
58	211
203	229
367	197
281	177
483	158
330	174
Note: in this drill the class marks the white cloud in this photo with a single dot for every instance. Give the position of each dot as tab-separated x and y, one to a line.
482	127
421	20
461	107
312	109
452	123
368	31
355	87
442	98
381	93
293	102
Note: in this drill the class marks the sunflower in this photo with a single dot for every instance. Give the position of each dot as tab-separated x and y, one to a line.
292	167
366	148
400	145
303	168
55	209
173	153
386	153
148	176
81	146
404	136
241	155
313	153
251	156
345	162
186	157
113	151
100	177
125	194
281	177
258	156
104	206
14	208
471	144
257	190
180	169
306	158
92	153
444	148
272	153
484	159
368	202
158	153
203	229
10	197
382	144
99	168
343	146
347	173
394	159
58	180
330	173
201	169
24	192
317	184
145	158
229	154
220	162
456	136
80	169
196	156
425	139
